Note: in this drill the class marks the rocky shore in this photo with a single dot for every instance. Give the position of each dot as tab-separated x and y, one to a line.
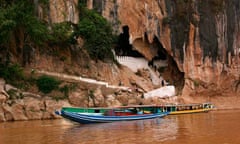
30	106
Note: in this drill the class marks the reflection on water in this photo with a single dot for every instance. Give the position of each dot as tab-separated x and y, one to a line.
32	132
206	128
146	131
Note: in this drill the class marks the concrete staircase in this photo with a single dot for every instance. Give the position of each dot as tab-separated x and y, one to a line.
134	64
141	63
106	87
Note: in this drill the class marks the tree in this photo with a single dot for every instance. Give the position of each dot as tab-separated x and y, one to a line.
97	34
46	84
18	17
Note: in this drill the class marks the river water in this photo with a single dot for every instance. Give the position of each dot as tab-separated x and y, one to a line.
215	127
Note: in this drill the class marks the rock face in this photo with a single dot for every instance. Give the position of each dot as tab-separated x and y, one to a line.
59	11
144	19
29	107
202	36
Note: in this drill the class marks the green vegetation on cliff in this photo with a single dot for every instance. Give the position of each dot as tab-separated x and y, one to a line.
12	73
17	21
97	33
22	32
20	26
46	84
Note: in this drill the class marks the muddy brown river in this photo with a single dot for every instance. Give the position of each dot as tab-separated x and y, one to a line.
215	127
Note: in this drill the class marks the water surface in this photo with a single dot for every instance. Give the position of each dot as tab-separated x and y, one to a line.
215	127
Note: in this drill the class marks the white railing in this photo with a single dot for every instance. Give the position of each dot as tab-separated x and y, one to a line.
131	62
81	79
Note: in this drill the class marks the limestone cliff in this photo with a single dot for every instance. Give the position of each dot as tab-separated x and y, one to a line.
57	11
198	38
201	36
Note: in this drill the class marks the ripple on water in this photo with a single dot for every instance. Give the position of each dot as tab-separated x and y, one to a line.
143	131
206	128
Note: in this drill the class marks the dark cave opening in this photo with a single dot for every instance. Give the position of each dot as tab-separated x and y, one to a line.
123	47
170	72
174	75
159	58
161	52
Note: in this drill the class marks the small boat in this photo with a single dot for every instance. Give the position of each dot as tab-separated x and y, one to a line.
187	108
103	115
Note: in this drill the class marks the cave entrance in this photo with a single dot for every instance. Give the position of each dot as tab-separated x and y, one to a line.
160	60
124	48
173	74
167	66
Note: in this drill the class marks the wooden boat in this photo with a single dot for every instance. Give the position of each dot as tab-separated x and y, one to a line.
103	115
187	108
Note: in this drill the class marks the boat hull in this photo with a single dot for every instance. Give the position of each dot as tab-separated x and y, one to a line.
188	108
88	119
189	111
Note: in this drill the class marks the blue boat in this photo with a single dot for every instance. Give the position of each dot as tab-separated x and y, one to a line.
104	115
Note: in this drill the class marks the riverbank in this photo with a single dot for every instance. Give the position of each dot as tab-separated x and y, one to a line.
30	108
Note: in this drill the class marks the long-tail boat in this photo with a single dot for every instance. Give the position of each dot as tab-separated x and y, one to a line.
187	108
103	115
